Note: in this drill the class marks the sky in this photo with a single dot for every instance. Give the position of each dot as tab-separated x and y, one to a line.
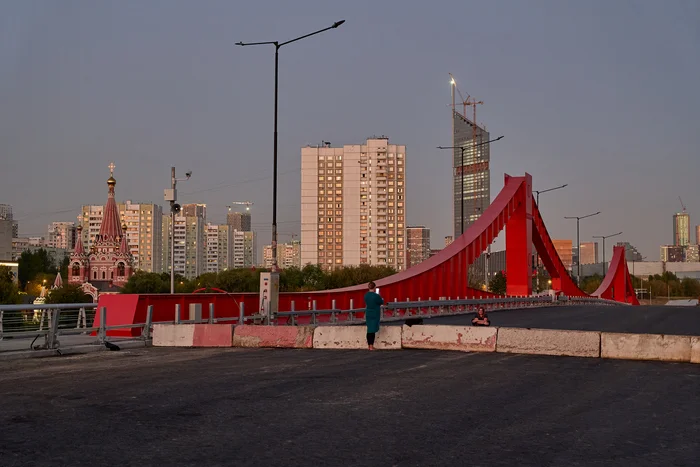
600	95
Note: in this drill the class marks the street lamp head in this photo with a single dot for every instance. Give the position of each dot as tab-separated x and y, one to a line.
337	23
240	43
188	174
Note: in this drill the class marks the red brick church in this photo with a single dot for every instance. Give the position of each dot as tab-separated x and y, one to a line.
109	263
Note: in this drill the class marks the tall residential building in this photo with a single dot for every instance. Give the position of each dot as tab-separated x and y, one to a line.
565	251
194	210
144	231
631	252
353	204
288	255
697	234
692	253
417	245
245	247
61	235
472	175
5	240
190	246
681	229
672	254
448	240
219	247
6	214
589	252
239	220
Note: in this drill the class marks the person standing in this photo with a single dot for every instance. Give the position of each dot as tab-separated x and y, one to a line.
373	304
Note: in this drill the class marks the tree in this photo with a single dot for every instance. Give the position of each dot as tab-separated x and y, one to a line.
33	264
590	284
146	282
498	283
690	287
69	293
9	293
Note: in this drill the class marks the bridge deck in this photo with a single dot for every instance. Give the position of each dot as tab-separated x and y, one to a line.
239	407
637	319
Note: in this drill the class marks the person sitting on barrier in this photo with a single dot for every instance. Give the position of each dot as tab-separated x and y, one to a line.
481	319
373	304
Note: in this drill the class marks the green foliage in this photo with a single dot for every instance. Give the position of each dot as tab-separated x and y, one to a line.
590	284
498	283
690	287
9	293
33	264
69	293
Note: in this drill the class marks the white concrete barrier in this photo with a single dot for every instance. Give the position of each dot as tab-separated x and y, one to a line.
548	342
645	347
192	335
695	349
445	337
291	337
355	337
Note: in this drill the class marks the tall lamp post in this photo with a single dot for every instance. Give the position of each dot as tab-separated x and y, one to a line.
277	45
605	269
578	243
537	256
462	149
171	195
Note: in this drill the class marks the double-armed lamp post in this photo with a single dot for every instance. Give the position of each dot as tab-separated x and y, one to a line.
603	237
578	243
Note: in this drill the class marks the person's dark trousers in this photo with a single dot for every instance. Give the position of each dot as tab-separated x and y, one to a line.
370	338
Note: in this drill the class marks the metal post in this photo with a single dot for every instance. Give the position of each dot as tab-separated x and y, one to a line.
292	307
1	313
211	313
177	313
461	190
578	260
173	185
241	313
604	268
102	333
274	169
146	333
52	335
333	305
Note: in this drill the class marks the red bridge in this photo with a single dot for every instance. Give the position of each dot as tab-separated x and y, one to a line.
441	276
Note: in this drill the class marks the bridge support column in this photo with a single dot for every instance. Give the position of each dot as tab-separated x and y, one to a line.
519	243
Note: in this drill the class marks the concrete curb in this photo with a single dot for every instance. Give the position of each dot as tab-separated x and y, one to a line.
289	337
662	347
439	337
193	335
355	337
72	350
548	342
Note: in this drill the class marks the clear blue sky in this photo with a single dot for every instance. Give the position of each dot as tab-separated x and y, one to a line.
598	94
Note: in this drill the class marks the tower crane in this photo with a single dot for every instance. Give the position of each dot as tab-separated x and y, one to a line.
247	204
682	205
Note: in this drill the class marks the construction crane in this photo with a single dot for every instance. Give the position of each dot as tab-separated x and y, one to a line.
247	204
682	205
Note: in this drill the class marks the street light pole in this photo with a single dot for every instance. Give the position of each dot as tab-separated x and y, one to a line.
537	256
171	195
461	191
578	244
274	156
604	237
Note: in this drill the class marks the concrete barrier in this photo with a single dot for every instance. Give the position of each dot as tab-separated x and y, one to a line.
294	337
445	337
192	335
695	349
355	337
548	342
645	347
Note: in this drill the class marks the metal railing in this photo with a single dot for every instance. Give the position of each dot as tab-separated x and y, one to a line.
54	321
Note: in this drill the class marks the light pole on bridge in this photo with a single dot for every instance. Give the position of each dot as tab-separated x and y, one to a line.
604	237
578	243
537	256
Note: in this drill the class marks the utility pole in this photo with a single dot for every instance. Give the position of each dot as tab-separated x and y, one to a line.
603	237
537	256
171	196
578	243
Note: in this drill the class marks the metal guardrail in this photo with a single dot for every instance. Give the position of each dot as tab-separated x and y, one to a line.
53	321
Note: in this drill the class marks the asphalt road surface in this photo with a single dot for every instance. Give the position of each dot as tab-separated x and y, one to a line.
633	319
207	407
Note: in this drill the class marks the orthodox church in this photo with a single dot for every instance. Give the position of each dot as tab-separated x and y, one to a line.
109	263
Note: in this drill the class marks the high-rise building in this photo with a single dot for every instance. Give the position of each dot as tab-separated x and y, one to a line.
36	241
589	253
6	214
353	204
672	253
417	245
565	251
681	229
240	221
697	234
5	240
190	242
194	210
245	247
472	175
61	235
144	231
288	255
692	253
219	248
631	252
448	240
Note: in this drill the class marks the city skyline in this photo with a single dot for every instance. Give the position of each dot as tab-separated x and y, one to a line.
199	121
